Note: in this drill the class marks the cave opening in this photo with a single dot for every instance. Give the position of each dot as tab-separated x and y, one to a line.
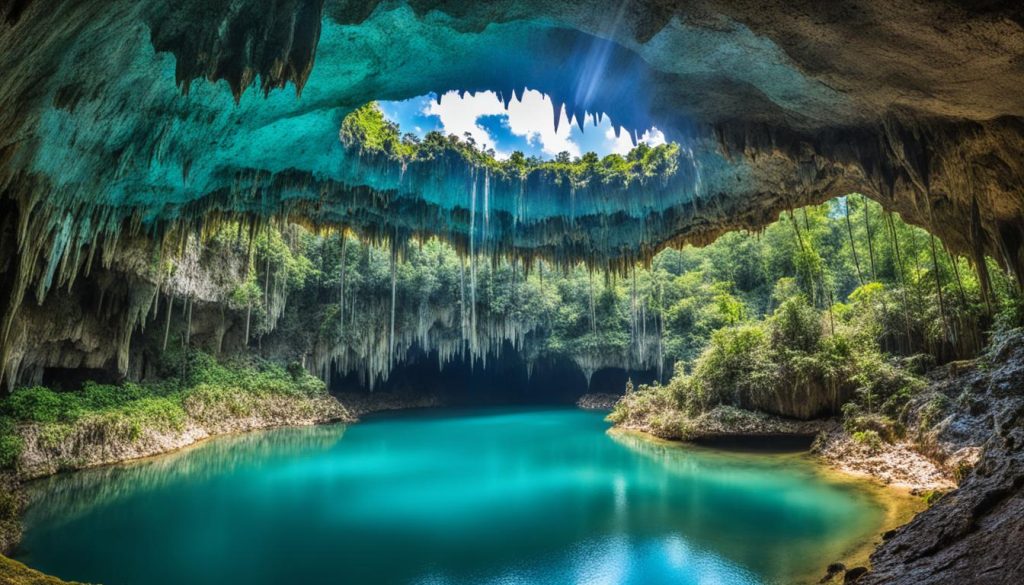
528	122
712	221
505	379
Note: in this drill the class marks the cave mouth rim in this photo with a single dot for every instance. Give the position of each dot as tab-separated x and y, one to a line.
529	118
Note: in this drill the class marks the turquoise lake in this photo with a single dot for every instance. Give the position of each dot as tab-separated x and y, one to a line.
489	496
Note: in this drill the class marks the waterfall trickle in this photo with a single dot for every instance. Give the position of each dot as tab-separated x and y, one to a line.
341	283
394	282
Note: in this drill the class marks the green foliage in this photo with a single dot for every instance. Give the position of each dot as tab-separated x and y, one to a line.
869	439
42	405
368	131
795	326
10	443
735	366
655	408
826	314
367	128
129	410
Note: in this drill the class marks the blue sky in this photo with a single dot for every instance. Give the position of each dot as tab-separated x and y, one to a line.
527	124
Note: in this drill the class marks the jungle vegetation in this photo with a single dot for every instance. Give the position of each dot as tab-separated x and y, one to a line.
841	298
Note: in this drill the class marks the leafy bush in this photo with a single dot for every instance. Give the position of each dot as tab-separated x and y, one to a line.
796	326
10	443
42	405
128	410
734	367
869	439
655	408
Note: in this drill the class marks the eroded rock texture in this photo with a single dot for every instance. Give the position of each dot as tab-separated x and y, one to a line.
126	119
114	113
136	117
974	534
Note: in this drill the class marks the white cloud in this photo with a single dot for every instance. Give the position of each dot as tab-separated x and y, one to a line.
530	118
459	115
620	145
533	119
623	144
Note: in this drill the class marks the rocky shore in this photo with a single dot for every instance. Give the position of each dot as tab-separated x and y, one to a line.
84	445
15	573
896	465
974	534
598	401
12	502
359	405
963	449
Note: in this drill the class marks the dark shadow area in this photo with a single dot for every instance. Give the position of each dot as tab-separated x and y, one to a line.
503	380
72	379
778	443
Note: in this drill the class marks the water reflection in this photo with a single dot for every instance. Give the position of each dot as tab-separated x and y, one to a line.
473	497
64	497
735	503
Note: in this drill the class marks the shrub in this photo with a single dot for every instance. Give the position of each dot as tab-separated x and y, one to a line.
655	408
10	444
211	391
733	368
869	439
42	405
795	325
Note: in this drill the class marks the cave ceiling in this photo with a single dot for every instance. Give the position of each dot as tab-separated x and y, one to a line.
151	114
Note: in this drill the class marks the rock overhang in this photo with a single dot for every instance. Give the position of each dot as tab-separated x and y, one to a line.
159	113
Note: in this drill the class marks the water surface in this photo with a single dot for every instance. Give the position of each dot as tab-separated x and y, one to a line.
446	497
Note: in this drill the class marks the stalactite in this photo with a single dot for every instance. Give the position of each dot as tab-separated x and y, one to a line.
248	320
487	207
343	268
266	286
394	283
167	327
188	322
462	299
593	309
632	311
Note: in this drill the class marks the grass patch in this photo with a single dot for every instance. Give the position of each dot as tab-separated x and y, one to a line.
15	573
204	389
869	439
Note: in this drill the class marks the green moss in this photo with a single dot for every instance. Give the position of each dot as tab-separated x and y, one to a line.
14	573
10	443
209	389
932	496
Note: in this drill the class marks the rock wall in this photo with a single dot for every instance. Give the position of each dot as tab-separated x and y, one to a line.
974	534
88	445
915	107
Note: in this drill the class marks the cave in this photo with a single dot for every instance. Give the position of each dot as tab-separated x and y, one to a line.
170	169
